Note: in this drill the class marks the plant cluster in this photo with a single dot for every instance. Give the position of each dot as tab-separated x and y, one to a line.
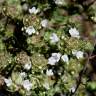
43	51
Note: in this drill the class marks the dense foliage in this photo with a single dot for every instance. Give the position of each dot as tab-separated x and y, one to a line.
47	47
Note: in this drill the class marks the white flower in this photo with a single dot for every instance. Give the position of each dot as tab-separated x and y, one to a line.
49	72
78	54
30	30
27	66
51	61
54	58
23	74
59	2
33	10
65	58
8	82
74	32
44	23
27	85
54	38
